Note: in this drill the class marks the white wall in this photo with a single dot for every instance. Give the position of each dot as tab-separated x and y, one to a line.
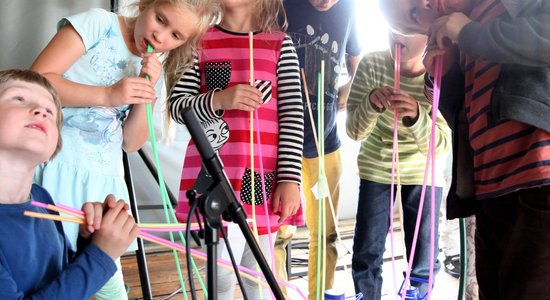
28	25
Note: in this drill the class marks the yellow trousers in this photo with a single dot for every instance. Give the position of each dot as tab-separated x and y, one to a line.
333	171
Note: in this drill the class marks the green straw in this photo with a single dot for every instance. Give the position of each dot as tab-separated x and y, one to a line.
168	209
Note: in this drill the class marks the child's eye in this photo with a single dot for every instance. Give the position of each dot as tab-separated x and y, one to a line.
413	15
160	19
18	98
176	36
49	111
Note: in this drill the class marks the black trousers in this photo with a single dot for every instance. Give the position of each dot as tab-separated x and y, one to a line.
513	245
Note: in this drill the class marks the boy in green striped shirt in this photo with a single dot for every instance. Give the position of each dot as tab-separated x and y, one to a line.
370	120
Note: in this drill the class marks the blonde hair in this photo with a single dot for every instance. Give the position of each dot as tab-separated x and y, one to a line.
270	15
177	60
34	77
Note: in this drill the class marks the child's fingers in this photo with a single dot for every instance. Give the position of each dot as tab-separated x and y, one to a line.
88	210
112	213
90	229
128	224
276	204
134	232
121	218
110	201
98	215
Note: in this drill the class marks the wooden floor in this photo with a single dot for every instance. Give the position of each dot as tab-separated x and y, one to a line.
163	275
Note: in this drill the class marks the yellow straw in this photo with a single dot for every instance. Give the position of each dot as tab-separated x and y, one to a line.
252	184
52	217
81	221
251	126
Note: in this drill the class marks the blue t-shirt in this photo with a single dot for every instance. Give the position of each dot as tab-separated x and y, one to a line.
35	261
324	36
90	163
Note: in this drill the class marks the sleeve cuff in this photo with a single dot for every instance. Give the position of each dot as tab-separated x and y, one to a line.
214	114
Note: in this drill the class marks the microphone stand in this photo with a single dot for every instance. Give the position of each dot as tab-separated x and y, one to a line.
220	199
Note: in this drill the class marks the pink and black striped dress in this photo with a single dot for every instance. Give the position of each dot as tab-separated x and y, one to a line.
222	62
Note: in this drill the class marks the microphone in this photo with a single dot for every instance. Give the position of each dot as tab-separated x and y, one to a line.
215	205
213	165
197	133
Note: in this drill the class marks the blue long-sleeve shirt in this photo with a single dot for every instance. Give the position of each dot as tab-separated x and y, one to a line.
35	261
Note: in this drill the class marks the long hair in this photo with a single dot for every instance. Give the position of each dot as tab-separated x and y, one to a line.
35	78
270	15
178	60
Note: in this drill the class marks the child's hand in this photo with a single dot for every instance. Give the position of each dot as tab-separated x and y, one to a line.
131	90
380	98
431	52
407	105
445	30
286	200
240	96
151	66
118	230
93	213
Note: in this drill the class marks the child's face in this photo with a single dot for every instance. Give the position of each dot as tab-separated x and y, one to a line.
416	16
165	26
28	119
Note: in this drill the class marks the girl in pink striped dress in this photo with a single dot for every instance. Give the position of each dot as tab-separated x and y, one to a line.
218	89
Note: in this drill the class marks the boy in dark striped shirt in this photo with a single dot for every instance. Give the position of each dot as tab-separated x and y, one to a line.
504	56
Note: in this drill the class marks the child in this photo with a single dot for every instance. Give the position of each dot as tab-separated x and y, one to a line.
321	30
97	62
504	47
371	120
35	259
217	87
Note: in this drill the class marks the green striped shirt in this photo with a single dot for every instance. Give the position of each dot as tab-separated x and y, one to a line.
375	130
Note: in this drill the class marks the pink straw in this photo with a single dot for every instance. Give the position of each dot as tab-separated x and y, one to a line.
153	238
430	159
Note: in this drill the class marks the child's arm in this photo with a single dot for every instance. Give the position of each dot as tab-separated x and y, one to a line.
367	100
211	104
240	96
522	37
291	132
422	126
65	48
135	128
80	280
92	267
186	93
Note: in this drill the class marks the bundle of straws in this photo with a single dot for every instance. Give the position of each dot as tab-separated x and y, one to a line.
77	216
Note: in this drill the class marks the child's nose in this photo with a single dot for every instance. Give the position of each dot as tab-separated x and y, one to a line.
158	36
40	111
